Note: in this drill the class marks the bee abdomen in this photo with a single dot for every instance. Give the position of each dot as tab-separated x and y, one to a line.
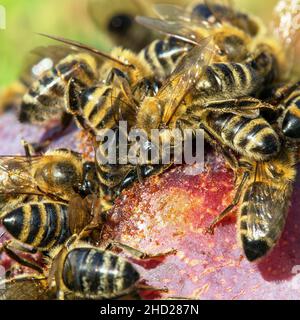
163	55
41	225
254	138
258	237
45	98
291	117
97	273
227	80
100	107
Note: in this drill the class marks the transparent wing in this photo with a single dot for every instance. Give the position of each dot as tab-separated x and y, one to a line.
188	72
42	59
268	202
24	287
177	29
16	176
172	12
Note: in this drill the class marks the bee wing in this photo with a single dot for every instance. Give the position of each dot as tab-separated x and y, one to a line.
186	74
172	12
267	205
40	60
16	175
176	29
24	287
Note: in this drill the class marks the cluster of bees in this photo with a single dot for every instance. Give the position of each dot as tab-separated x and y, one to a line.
215	68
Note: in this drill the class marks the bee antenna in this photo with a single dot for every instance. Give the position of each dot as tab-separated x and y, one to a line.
87	48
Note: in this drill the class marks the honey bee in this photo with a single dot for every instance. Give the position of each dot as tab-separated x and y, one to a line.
36	63
58	174
41	226
45	99
287	98
263	193
116	19
46	199
284	93
98	111
102	106
78	270
203	92
231	31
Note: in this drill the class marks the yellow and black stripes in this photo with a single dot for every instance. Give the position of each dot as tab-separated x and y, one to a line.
227	80
45	98
253	138
100	107
264	203
164	55
257	231
41	225
98	274
291	116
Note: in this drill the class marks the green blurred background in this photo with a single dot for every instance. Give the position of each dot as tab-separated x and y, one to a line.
68	18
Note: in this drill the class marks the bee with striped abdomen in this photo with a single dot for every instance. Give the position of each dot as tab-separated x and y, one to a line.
43	197
41	226
287	98
39	61
263	193
44	100
46	97
59	174
231	32
78	270
198	93
102	106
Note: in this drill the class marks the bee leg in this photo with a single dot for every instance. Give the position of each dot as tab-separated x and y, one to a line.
115	76
247	106
283	92
59	131
214	140
28	148
9	246
139	174
136	253
73	105
234	203
145	287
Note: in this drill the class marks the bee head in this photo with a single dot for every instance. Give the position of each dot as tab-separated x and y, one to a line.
89	184
234	48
